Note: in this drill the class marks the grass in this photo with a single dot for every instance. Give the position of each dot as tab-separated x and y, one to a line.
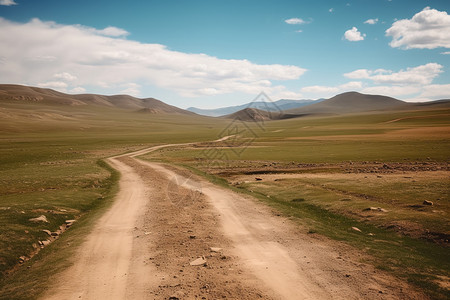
51	160
54	167
330	202
27	282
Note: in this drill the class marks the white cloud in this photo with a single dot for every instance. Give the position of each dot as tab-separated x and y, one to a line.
371	21
427	29
7	2
77	90
418	75
323	91
59	85
358	74
354	35
132	89
299	31
393	91
327	91
331	10
445	53
412	84
65	76
111	31
39	52
436	91
294	21
351	86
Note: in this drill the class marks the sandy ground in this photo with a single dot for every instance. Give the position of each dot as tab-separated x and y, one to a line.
164	219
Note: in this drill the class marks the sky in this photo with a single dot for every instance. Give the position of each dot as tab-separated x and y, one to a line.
217	53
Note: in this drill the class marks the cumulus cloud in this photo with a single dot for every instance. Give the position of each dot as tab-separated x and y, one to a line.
418	75
393	91
77	90
436	91
111	31
427	29
71	56
354	35
7	2
132	89
371	21
445	53
59	85
321	91
294	21
65	76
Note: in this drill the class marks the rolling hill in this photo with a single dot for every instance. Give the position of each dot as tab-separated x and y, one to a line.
351	102
17	93
254	114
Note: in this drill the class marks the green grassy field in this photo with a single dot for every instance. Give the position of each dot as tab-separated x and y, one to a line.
326	172
51	165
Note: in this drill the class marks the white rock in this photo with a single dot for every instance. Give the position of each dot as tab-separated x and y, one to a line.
201	261
39	219
356	229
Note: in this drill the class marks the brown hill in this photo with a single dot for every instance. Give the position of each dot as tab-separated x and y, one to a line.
254	114
19	93
351	102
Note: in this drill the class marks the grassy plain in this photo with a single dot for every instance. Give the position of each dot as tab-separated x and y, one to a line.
50	159
51	165
325	172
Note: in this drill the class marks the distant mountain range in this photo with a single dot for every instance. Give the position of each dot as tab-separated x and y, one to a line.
346	103
280	105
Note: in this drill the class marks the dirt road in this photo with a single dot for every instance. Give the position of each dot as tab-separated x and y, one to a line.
164	219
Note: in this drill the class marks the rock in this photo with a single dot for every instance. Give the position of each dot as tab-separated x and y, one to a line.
356	229
39	219
215	249
54	234
70	222
22	259
47	232
45	243
258	179
426	202
375	209
201	261
177	295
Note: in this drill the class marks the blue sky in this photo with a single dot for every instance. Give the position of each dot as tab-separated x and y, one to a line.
219	53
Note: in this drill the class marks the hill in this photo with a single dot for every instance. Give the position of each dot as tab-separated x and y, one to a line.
280	105
254	114
351	102
25	94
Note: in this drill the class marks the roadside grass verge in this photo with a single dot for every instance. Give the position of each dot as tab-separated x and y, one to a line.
331	206
53	167
35	275
421	263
